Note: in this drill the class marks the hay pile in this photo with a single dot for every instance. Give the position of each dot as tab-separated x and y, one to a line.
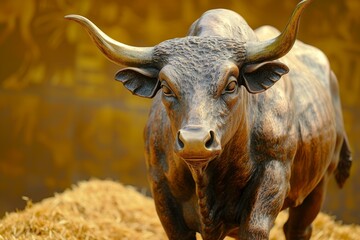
94	210
105	210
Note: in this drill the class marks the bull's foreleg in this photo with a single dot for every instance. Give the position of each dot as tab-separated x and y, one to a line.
264	198
298	226
169	212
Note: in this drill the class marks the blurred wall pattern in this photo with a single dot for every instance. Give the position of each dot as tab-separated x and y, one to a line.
64	119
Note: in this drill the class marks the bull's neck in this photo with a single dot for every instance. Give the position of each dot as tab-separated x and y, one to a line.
201	182
254	106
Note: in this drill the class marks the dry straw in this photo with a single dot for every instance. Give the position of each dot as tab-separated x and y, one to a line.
105	210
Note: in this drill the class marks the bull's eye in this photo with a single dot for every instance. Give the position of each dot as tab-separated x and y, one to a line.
166	90
231	86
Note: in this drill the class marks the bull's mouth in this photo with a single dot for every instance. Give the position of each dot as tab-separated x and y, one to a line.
198	162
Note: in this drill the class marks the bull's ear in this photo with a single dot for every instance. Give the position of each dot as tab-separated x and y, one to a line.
141	82
260	77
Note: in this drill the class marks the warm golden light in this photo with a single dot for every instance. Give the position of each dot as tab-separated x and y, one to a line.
64	119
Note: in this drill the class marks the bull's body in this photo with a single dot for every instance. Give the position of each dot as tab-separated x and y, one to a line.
286	147
222	159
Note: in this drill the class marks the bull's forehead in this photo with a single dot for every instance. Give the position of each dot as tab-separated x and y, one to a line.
197	61
196	55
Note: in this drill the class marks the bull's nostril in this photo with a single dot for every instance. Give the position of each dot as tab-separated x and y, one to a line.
196	143
181	144
210	141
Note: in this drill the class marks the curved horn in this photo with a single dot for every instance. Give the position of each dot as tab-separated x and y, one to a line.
277	47
117	52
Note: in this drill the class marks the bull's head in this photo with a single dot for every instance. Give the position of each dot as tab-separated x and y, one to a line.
201	80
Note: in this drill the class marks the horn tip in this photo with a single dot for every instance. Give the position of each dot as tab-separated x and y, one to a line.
305	2
73	17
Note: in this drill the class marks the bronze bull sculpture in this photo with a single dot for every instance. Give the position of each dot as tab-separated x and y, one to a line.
227	149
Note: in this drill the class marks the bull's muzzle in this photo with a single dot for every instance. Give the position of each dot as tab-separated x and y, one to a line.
196	145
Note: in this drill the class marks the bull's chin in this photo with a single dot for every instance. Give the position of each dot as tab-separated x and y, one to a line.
198	163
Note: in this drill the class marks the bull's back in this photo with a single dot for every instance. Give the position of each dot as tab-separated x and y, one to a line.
223	23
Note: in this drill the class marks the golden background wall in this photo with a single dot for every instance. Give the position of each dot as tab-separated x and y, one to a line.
63	118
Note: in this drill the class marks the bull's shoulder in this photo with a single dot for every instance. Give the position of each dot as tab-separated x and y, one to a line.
222	22
310	81
272	124
309	61
312	57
